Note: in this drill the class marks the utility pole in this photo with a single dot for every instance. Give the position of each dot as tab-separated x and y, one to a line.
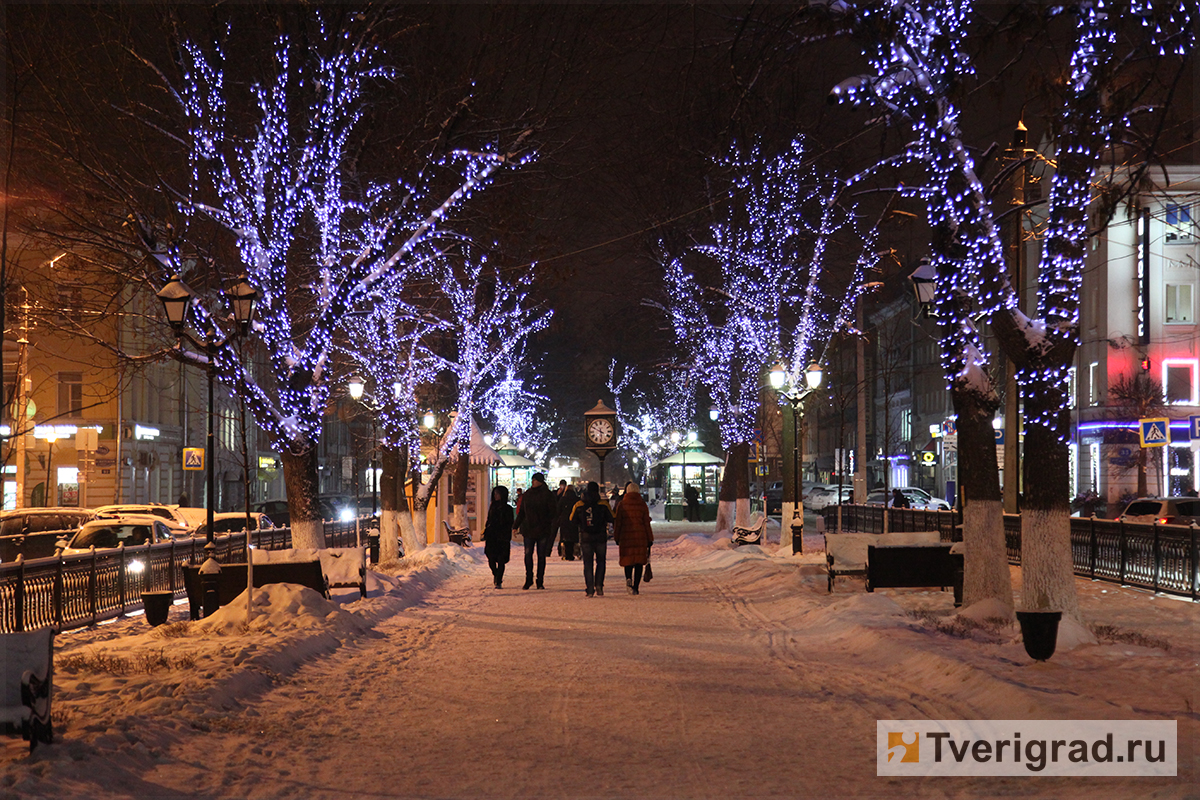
1016	265
860	463
21	416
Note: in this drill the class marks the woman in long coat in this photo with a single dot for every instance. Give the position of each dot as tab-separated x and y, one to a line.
497	533
568	531
631	529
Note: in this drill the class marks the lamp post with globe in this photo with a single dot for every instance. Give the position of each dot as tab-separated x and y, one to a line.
795	396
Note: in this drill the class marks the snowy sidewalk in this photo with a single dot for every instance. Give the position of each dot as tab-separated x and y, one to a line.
733	674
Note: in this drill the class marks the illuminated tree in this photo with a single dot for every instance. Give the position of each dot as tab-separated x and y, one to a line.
282	176
768	300
648	418
485	325
917	55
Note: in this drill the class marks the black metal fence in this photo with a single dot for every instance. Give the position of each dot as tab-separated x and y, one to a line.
76	590
1162	558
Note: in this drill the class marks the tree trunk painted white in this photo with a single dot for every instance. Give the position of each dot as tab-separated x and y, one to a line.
985	560
742	516
413	542
785	524
458	518
1047	574
389	531
726	513
308	534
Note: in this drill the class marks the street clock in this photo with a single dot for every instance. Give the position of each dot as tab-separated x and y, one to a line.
600	432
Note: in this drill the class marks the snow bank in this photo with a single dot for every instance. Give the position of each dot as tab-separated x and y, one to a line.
279	607
991	608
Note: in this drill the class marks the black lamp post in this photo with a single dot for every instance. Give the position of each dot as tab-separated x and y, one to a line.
177	298
796	397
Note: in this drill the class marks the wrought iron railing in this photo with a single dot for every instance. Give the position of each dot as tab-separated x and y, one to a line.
76	590
1162	558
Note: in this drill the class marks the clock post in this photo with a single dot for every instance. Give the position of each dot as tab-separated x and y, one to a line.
600	433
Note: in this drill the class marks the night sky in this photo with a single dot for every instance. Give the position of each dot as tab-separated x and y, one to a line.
628	104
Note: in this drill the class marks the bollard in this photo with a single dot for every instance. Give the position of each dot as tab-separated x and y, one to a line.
373	545
210	578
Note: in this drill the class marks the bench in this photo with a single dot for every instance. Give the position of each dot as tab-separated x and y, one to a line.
458	536
232	580
27	676
846	553
915	565
750	535
344	567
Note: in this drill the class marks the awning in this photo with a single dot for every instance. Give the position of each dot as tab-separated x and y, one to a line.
482	453
695	458
516	460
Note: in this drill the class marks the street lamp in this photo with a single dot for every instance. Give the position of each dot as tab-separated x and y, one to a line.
796	395
177	299
924	281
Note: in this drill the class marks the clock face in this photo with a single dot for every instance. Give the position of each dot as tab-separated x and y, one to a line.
600	431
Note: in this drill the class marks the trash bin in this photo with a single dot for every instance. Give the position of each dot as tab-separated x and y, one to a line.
158	606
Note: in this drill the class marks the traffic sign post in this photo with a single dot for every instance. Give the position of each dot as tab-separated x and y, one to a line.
1154	431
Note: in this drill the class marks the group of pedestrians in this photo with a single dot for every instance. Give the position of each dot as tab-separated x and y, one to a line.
542	515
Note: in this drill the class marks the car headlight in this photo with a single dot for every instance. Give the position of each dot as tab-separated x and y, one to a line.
346	515
136	567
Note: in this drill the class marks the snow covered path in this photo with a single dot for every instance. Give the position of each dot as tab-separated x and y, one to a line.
733	674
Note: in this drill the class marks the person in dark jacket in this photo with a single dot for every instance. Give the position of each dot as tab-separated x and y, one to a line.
535	520
497	533
631	529
899	500
568	534
593	518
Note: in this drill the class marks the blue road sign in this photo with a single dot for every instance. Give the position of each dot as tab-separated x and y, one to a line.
1155	431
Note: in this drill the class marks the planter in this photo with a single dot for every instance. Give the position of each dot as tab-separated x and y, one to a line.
158	606
1039	630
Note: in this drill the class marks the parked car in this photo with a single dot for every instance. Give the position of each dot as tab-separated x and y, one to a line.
917	498
774	498
182	520
234	522
132	530
823	498
1163	510
333	507
34	532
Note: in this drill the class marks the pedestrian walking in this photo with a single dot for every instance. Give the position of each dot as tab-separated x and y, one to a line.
614	498
593	518
497	534
631	529
535	520
568	534
899	500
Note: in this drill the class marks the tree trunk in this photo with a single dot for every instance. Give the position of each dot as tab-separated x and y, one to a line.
300	480
1143	488
985	560
1047	570
421	501
458	498
391	494
734	505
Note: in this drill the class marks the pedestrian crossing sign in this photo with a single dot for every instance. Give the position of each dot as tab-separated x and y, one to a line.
193	458
1154	431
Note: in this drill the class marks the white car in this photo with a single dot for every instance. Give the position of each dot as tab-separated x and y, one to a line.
823	498
234	522
917	498
133	530
180	519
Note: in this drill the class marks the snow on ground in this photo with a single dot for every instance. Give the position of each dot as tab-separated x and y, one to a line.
734	673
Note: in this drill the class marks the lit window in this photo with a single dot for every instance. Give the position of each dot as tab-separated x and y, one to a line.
70	393
1179	224
1093	383
1179	381
1178	308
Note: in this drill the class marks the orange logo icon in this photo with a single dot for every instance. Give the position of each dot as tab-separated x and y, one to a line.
907	746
